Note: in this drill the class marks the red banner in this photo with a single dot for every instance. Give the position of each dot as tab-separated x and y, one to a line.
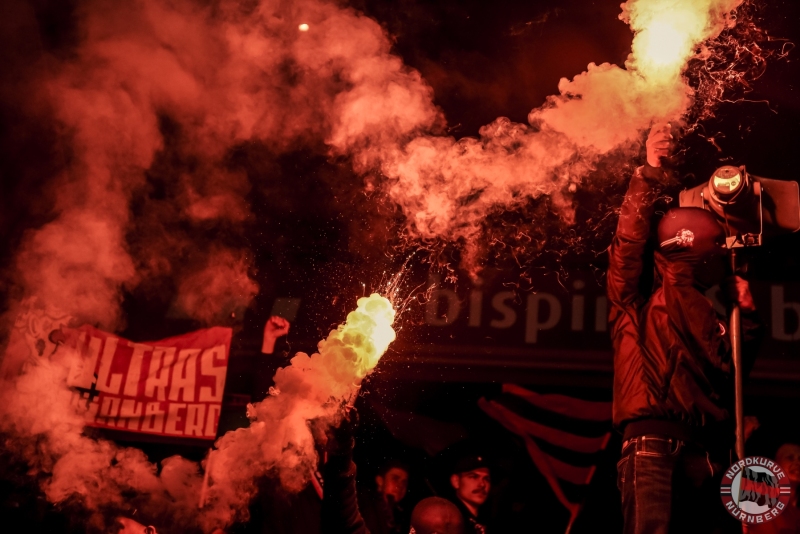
170	388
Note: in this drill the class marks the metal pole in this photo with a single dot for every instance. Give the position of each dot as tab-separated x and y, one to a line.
735	327
736	345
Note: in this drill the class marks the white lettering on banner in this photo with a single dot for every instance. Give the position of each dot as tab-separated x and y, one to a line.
158	418
207	368
601	314
578	307
132	411
108	410
533	324
509	312
184	374
211	420
135	368
153	418
173	418
103	383
779	309
499	304
475	307
432	308
195	418
444	309
158	379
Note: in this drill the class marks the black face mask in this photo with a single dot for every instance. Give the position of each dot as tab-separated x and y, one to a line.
710	272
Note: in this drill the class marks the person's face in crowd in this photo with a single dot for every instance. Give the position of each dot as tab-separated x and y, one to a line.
788	456
472	487
393	484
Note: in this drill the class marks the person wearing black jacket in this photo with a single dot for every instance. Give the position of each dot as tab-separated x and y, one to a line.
673	374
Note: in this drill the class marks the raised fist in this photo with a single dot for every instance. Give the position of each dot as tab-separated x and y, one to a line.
276	327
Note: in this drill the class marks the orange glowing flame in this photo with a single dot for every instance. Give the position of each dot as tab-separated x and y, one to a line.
669	31
367	333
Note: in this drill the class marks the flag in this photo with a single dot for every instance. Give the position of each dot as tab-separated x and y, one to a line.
563	435
170	390
760	487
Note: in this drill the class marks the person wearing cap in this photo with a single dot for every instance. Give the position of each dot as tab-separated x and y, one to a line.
673	374
471	481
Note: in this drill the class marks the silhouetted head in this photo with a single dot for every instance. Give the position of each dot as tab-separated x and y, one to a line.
435	515
392	481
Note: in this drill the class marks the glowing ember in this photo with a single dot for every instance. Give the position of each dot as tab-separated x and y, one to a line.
303	27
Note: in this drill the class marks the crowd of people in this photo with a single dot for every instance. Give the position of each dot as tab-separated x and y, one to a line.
673	393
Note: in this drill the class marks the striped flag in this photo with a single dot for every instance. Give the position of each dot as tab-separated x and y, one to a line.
563	435
759	487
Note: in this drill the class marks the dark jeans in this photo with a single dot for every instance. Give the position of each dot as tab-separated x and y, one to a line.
670	486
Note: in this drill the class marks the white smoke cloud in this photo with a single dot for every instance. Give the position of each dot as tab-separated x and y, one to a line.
447	187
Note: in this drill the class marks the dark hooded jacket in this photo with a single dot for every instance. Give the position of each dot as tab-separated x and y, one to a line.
673	373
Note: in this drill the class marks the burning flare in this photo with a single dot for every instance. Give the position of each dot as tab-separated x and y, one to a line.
448	187
308	393
669	31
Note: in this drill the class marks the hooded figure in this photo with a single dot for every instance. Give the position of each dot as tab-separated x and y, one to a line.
672	350
673	374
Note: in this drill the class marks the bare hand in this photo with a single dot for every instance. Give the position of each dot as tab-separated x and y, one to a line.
738	291
276	327
659	143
